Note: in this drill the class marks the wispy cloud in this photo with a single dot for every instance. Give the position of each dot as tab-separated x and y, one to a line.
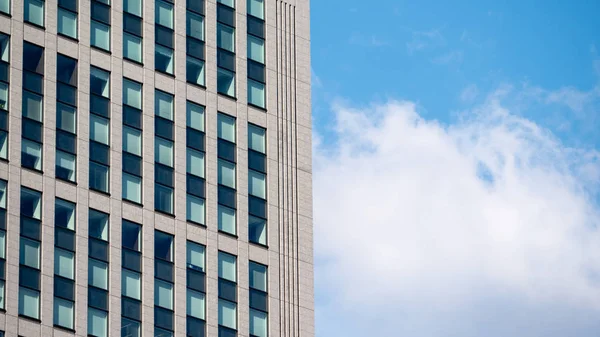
422	40
483	228
469	93
454	56
368	40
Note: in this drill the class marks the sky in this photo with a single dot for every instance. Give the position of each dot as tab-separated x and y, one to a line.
456	168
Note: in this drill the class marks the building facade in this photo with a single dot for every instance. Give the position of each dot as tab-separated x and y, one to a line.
155	168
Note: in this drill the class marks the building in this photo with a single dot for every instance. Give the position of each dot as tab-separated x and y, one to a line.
155	168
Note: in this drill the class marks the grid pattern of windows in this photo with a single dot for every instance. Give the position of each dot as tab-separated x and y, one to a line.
227	295
32	109
164	37
64	263
195	42
226	150
164	176
131	280
98	274
4	93
226	47
196	290
100	24
259	300
132	30
67	18
99	129
132	141
2	243
257	185
30	253
256	53
66	118
34	12
196	185
163	285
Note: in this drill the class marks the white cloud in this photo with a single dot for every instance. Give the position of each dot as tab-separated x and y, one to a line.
454	56
422	40
469	93
484	228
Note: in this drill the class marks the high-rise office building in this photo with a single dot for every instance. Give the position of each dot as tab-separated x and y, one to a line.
155	168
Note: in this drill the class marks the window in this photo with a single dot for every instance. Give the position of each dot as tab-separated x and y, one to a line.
64	263
195	42
100	25
4	88
98	225
32	109
131	279
163	152
164	37
163	246
132	141
67	18
195	164
98	273
256	54
226	82
97	322
4	8
257	180
227	305
2	243
196	297
163	282
66	116
34	12
132	30
226	174
29	303
99	128
29	253
226	48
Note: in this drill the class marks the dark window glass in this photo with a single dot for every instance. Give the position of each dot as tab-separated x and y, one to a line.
98	298
98	177
258	300
100	106
130	328
132	164
3	120
33	82
2	218
163	318
66	68
163	128
163	270
67	94
226	332
196	280
163	175
64	288
132	24
226	150
163	246
64	238
226	196
195	48
131	260
99	153
32	130
101	12
66	141
30	228
33	58
29	277
132	117
195	139
164	36
4	71
131	235
257	161
256	26
131	308
256	71
257	207
226	15
68	4
98	249
227	290
2	270
195	327
196	6
196	186
226	59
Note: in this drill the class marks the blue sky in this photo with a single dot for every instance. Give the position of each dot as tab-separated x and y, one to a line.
464	138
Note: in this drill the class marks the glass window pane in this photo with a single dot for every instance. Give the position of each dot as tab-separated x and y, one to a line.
258	276
195	209
257	184
100	82
98	225
256	93
227	314
98	274
3	144
226	219
256	8
163	294
195	26
131	284
29	302
99	129
32	106
98	177
226	127
163	198
226	82
66	118
31	154
230	3
227	267
2	297
256	49
67	23
31	203
163	152
132	188
164	14
64	263
132	140
63	313
195	70
163	246
4	40
34	12
100	35
163	105
2	194
163	59
133	7
132	47
65	166
30	253
258	323
131	235
195	304
225	37
3	96
97	322
2	247
226	173
130	328
195	116
64	214
256	138
195	255
195	162
5	7
132	94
